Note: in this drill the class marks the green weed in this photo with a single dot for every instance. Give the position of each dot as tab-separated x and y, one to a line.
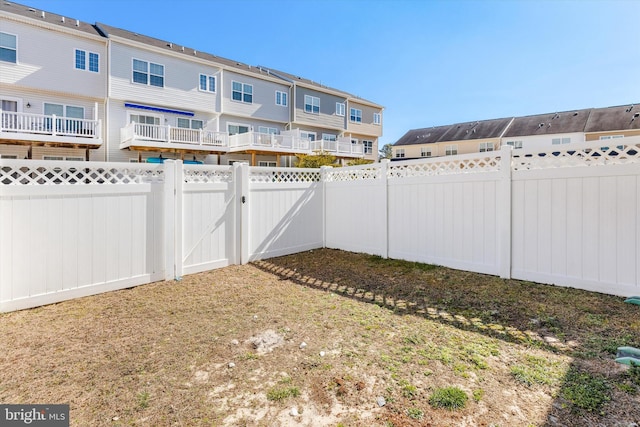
451	398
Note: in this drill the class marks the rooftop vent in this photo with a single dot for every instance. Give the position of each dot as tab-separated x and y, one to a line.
43	15
77	22
555	116
62	19
182	48
628	110
636	115
170	45
575	114
541	125
195	52
31	9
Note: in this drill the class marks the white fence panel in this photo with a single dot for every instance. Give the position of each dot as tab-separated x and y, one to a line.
71	229
285	210
356	209
578	227
208	218
447	212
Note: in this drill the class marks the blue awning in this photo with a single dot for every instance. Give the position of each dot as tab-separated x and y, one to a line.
159	109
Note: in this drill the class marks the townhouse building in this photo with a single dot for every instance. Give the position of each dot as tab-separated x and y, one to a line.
145	99
538	131
53	75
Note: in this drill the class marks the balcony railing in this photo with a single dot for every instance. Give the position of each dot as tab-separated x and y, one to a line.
168	134
268	141
50	125
157	136
342	147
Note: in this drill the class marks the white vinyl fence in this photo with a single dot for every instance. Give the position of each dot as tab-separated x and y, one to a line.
569	216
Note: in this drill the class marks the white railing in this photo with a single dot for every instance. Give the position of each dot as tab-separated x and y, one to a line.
157	133
41	124
268	140
342	146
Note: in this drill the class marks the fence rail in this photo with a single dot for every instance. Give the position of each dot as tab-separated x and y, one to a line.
569	217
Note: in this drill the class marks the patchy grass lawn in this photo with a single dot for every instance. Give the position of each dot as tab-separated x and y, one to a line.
386	343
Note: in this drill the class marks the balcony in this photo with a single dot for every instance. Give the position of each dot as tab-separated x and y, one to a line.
342	147
137	135
283	143
40	128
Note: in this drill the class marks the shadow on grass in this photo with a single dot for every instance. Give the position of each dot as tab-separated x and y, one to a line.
583	325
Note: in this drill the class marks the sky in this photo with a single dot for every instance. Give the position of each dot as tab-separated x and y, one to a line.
428	62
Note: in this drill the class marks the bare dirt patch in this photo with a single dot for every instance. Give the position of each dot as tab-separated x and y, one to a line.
226	348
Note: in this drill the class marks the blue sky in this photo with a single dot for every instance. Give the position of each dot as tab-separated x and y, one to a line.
428	63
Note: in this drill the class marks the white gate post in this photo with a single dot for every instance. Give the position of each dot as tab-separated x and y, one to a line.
179	222
324	171
169	209
504	213
384	176
241	240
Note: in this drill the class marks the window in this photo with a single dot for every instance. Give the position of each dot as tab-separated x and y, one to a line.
267	164
146	120
63	113
450	150
242	92
207	83
340	108
8	48
368	146
281	98
399	153
81	61
329	137
515	144
8	156
311	136
611	137
355	115
486	146
425	152
148	73
377	118
57	158
190	123
235	129
265	129
311	104
558	141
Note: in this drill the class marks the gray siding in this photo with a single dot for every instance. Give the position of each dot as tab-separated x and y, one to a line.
327	116
264	98
366	127
46	61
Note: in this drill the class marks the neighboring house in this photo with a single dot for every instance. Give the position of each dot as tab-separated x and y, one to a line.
460	138
53	74
539	131
544	130
613	122
334	121
157	100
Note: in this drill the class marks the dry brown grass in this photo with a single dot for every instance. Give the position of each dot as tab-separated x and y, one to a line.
159	354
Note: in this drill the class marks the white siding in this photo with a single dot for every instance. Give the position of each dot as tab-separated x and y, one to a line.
46	61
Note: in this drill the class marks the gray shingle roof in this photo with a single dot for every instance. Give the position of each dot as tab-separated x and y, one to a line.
619	118
623	117
549	123
48	17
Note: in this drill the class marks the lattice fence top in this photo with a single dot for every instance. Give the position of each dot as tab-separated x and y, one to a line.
445	166
607	152
356	173
53	172
283	175
206	174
